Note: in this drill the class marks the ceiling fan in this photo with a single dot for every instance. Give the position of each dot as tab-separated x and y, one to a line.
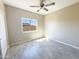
43	5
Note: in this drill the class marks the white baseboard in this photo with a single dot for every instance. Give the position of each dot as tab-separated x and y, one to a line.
47	38
67	44
23	41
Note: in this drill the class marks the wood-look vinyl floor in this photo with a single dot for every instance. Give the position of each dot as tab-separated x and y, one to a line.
42	49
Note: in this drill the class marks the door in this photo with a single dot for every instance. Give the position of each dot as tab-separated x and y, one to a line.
0	50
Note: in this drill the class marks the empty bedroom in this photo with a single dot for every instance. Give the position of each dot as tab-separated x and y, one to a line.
39	29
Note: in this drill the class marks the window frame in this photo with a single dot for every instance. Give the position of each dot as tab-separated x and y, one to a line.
29	30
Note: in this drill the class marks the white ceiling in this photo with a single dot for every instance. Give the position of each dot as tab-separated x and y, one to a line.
24	4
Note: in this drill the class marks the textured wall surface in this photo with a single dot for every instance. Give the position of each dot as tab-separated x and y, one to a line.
63	25
16	35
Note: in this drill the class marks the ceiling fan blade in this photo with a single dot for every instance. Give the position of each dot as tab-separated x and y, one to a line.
34	6
39	9
46	9
50	4
42	2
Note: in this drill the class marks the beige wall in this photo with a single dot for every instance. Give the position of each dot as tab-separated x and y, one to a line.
15	27
3	30
63	25
1	6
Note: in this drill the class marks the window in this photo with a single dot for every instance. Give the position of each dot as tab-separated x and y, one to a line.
29	24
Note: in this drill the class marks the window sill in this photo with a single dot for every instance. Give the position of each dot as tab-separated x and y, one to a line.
29	31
